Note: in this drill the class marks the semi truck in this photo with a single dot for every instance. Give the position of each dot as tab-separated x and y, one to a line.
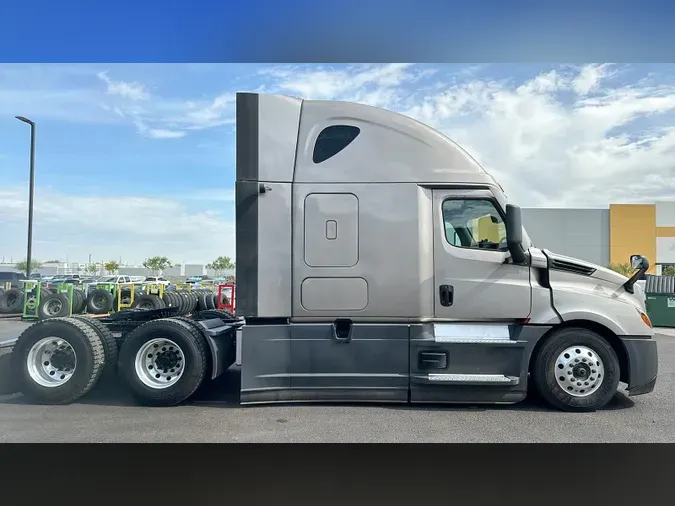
377	261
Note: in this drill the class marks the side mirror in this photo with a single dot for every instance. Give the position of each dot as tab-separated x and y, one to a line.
514	233
637	262
641	264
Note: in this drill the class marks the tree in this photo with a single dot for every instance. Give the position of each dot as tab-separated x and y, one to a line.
221	264
668	271
157	265
624	269
111	266
23	265
92	268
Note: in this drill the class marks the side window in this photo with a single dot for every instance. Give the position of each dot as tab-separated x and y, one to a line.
474	223
332	140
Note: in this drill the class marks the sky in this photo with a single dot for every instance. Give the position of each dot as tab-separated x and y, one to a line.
137	160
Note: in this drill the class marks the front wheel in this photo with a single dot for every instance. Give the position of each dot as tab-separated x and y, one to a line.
576	370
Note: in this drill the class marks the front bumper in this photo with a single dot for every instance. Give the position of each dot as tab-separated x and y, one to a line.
643	364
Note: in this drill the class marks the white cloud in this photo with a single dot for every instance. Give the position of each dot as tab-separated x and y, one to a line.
571	136
108	226
567	135
131	90
157	133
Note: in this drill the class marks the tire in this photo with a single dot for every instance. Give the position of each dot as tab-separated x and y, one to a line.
55	305
11	301
44	292
72	338
187	302
172	332
79	301
203	301
194	301
211	301
582	354
215	313
99	301
148	302
110	348
170	300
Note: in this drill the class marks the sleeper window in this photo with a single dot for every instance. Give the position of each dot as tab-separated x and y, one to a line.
474	223
332	140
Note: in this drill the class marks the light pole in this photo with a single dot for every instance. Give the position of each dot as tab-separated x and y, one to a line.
31	191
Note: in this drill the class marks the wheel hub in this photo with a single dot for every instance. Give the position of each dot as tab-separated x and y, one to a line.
579	371
53	307
51	362
159	363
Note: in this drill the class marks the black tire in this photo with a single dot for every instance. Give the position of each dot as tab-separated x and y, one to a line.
44	292
79	301
203	301
55	305
110	348
211	301
190	341
544	372
186	301
176	300
99	301
148	302
89	354
215	313
11	301
194	302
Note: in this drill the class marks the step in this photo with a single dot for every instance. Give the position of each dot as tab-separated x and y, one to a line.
474	379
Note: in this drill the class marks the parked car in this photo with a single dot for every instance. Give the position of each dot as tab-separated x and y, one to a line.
196	279
12	277
157	280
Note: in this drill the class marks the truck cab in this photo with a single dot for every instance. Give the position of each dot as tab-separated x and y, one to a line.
378	261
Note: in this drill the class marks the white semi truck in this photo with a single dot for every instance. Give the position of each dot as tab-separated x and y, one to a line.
378	262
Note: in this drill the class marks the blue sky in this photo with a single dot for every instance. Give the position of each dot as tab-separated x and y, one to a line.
143	154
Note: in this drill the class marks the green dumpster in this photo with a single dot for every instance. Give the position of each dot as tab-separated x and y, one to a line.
660	297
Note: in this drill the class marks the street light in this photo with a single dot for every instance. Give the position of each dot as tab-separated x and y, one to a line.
30	191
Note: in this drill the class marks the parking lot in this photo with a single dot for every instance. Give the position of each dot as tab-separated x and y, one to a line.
107	414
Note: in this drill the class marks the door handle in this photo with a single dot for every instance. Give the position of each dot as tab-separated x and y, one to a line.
446	294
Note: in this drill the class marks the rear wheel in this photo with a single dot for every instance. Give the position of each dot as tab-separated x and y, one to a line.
148	302
99	301
53	306
576	370
11	301
57	361
163	362
110	348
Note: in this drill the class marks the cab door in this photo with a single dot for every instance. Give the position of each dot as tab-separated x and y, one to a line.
474	278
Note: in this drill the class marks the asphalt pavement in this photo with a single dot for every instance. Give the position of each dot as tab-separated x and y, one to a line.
108	414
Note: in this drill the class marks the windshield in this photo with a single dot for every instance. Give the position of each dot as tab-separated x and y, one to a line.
107	279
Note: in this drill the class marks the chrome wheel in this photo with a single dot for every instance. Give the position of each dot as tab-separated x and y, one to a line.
159	363
53	307
579	371
51	362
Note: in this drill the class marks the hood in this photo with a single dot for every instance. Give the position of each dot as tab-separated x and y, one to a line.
602	276
583	268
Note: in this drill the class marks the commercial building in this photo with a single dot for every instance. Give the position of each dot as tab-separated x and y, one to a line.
610	235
